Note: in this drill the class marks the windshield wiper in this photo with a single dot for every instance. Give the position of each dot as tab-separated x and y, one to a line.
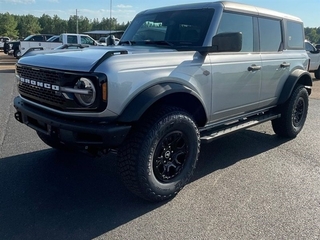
127	42
162	42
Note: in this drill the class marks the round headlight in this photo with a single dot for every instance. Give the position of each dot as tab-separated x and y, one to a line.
87	92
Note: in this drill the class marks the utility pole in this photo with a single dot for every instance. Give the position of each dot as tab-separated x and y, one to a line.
77	21
110	16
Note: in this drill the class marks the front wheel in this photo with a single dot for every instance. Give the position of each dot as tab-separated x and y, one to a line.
159	156
17	53
293	114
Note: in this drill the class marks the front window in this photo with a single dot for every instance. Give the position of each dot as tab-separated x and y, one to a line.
34	38
174	28
71	39
232	22
86	40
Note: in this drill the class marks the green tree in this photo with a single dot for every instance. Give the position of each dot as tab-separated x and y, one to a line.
95	24
59	25
84	24
8	25
312	34
72	24
104	24
28	25
46	24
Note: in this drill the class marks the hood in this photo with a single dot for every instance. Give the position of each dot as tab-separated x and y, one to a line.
82	60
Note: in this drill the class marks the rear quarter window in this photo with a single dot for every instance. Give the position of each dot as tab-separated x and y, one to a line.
295	35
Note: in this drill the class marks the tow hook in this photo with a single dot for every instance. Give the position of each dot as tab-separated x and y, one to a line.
18	116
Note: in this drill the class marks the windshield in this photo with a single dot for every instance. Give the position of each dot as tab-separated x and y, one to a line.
53	39
27	38
173	28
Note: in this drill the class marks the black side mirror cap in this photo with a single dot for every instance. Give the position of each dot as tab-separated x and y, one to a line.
227	42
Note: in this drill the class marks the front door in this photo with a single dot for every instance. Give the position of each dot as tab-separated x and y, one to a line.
236	77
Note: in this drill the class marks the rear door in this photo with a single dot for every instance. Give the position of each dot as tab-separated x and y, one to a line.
275	62
281	53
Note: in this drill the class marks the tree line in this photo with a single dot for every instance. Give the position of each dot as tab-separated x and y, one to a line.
312	34
18	27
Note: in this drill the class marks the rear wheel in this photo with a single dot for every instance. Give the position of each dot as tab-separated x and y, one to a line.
159	156
17	53
293	114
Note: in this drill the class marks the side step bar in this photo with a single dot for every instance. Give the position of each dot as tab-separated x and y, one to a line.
209	135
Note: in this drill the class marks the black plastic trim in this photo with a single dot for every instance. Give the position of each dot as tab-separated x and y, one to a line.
71	131
291	82
148	97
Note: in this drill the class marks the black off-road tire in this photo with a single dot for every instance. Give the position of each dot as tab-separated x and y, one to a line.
159	156
293	114
52	142
17	53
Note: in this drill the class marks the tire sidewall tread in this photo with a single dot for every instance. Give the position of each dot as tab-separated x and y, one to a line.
283	126
135	160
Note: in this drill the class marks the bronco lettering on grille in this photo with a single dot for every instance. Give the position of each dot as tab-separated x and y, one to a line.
39	84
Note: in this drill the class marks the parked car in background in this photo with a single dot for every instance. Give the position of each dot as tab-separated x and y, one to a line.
109	40
53	43
15	45
38	37
314	55
2	41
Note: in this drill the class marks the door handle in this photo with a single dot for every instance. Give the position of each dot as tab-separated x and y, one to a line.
254	68
284	65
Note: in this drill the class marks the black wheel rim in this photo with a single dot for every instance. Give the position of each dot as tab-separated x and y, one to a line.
170	156
298	112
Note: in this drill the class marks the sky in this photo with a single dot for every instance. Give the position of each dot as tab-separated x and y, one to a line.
125	10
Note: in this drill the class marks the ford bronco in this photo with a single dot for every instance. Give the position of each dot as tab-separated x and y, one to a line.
180	75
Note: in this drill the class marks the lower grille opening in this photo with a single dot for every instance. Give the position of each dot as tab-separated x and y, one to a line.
89	138
36	124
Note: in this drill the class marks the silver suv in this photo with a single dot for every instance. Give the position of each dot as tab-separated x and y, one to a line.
181	75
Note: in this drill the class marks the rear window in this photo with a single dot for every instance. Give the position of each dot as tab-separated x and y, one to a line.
295	35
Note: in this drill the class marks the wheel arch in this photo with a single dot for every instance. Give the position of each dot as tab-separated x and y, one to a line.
172	94
298	76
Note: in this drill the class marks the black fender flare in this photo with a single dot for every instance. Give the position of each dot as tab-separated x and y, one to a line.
298	75
135	109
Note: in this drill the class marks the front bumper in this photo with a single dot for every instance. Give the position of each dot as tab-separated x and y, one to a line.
83	134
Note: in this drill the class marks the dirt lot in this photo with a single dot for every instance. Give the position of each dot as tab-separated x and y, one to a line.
7	65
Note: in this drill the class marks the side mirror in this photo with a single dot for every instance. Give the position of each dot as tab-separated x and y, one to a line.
227	42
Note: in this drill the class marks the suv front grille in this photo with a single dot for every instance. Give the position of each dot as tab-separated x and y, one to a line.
39	86
48	87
